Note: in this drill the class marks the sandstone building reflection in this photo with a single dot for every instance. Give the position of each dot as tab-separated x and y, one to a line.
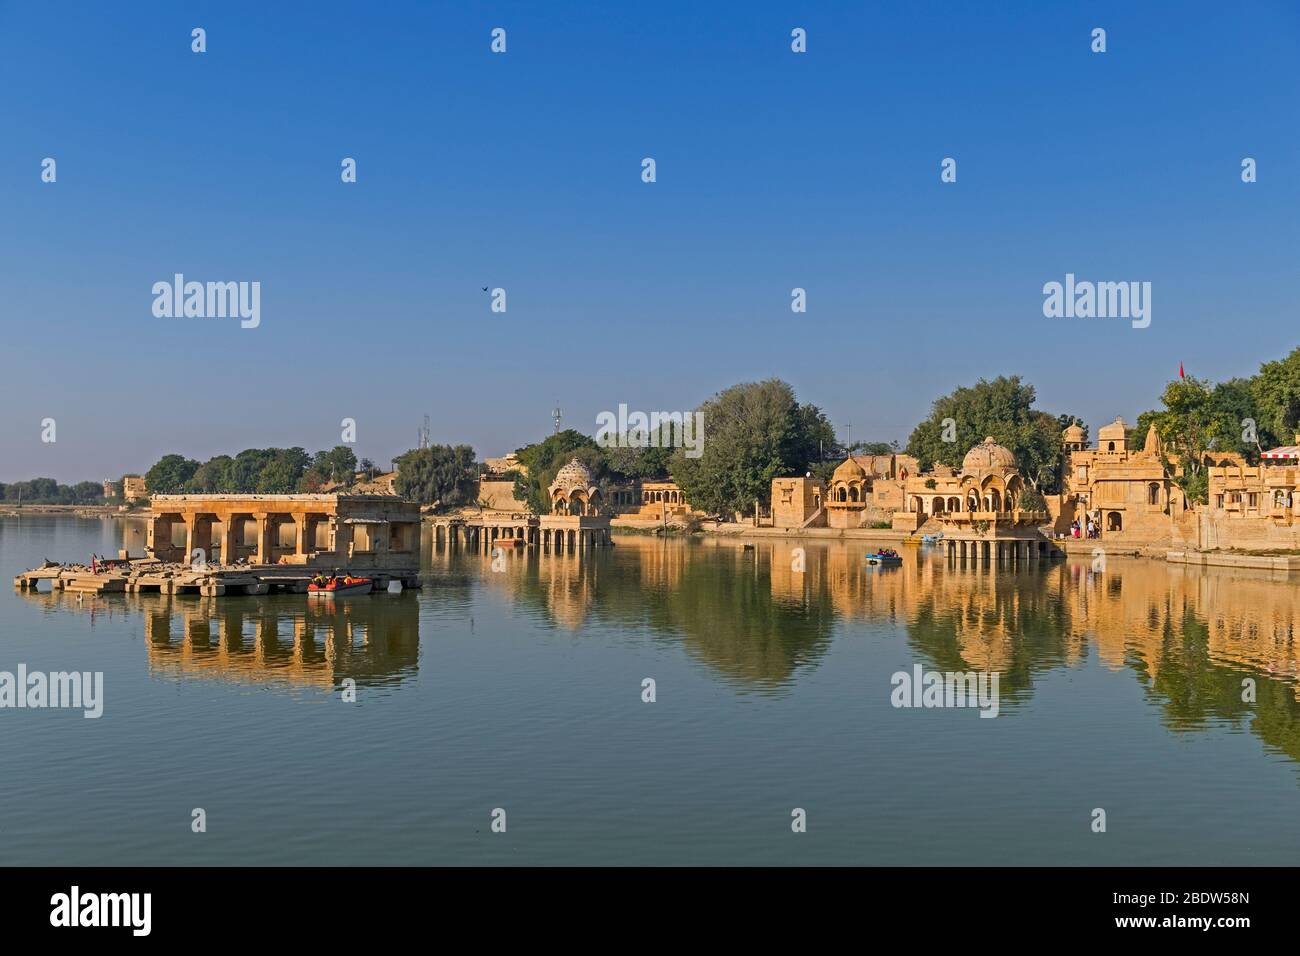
269	640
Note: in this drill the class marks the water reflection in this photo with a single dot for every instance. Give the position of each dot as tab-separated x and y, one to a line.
273	640
1190	636
719	606
1199	641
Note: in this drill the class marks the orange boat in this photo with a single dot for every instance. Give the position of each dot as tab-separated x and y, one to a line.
336	586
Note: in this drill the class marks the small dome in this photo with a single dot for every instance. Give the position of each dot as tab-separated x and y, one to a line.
987	456
1073	435
849	470
573	475
1115	431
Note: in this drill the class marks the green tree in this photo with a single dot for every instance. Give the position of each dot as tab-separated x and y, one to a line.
440	474
873	448
1003	409
545	458
246	470
169	475
84	492
753	432
212	477
634	457
282	472
1199	419
1193	422
1276	392
337	466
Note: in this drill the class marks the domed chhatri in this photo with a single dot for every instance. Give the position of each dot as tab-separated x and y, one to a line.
573	475
849	484
988	456
849	470
574	491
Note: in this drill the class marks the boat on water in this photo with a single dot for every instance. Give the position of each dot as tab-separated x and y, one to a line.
885	557
339	586
509	543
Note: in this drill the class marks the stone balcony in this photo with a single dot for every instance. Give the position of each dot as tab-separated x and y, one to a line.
995	518
993	524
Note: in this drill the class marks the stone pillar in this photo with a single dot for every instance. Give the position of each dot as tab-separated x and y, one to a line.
306	533
191	539
229	537
342	541
263	555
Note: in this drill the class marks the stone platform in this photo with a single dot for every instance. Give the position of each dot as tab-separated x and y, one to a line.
153	576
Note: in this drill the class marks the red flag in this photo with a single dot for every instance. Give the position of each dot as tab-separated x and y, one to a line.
1180	370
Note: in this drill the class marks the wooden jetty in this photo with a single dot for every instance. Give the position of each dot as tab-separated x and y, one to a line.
149	575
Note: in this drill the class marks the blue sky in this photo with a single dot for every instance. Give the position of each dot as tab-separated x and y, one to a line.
522	171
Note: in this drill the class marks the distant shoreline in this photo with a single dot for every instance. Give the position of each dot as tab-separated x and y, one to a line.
15	510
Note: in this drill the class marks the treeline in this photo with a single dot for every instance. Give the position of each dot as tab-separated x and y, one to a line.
753	432
47	491
1002	409
757	431
262	471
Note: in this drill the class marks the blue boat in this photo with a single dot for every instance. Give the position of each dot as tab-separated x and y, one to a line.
885	558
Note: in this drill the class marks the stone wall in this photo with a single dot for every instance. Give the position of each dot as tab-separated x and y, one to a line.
795	500
1213	529
500	495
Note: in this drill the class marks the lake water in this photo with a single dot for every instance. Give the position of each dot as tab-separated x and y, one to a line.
522	690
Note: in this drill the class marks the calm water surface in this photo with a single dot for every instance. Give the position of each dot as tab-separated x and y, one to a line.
522	690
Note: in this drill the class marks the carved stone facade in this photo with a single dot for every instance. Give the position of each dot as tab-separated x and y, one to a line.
322	530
